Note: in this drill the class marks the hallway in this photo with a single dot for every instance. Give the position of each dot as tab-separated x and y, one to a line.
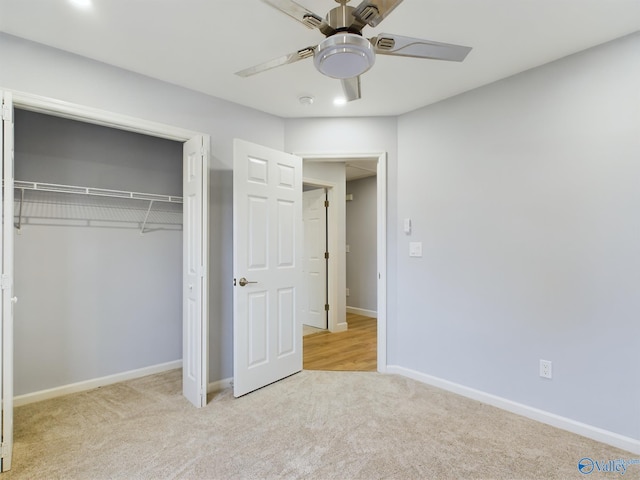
353	350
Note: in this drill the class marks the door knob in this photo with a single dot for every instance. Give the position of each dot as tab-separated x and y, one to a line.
243	281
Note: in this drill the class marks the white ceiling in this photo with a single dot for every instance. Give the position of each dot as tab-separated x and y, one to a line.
356	169
199	44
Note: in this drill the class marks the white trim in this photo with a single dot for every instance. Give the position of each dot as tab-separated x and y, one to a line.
340	327
381	236
573	426
7	144
59	108
215	387
362	311
94	383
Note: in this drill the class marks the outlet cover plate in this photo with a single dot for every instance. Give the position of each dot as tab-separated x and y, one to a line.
545	369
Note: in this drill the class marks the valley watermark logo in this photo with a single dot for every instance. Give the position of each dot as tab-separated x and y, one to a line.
588	465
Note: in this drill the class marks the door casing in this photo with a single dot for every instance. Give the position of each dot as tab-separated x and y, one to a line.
6	307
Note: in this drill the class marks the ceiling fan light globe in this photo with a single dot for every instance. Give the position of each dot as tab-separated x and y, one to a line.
344	55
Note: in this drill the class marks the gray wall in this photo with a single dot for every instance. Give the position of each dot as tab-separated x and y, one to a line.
94	300
526	196
57	150
362	276
36	69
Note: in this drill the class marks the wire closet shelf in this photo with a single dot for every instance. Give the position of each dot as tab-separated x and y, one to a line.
46	203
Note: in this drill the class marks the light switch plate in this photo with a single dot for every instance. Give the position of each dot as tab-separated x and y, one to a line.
407	226
415	249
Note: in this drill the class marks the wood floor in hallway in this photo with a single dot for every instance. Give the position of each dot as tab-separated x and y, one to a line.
353	350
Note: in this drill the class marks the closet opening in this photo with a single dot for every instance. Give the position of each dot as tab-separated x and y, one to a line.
98	254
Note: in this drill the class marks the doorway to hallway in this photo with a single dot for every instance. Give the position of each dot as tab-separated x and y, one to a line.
352	247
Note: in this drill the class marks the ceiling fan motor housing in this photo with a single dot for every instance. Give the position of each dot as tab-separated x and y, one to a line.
344	55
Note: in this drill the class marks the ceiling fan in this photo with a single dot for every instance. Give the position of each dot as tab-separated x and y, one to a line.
345	54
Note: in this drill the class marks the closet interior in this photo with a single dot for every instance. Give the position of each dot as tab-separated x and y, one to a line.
97	252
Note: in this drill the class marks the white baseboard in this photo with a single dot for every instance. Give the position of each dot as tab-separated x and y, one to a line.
362	311
94	383
340	327
589	431
220	385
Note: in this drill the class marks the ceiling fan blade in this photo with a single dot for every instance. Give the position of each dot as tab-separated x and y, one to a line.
302	14
351	88
389	44
277	62
372	12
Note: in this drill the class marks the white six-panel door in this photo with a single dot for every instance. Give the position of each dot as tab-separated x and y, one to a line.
267	229
315	263
6	310
195	261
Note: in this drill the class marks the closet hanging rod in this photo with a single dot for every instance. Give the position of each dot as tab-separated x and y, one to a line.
98	192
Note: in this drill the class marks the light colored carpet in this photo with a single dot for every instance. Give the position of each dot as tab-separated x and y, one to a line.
315	425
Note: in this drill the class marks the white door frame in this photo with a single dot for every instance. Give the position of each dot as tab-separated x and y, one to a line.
6	252
381	235
59	108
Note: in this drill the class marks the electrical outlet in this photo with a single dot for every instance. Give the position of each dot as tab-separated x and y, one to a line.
347	292
545	369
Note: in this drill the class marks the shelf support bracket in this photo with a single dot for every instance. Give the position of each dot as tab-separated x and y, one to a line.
146	217
19	224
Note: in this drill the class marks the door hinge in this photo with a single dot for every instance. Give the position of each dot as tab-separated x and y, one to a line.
4	450
326	307
326	255
6	113
326	204
5	282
